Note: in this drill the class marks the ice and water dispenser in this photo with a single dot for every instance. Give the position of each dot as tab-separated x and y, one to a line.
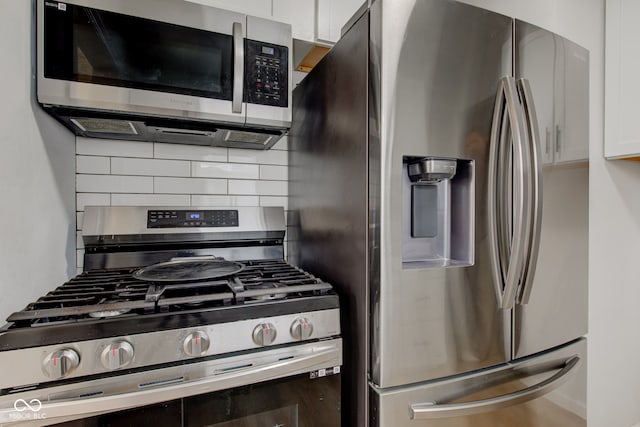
439	212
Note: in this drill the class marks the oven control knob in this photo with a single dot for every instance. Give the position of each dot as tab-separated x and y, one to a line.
61	363
117	355
196	344
301	328
264	334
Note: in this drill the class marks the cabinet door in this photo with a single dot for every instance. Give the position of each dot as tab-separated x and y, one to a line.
259	8
332	15
622	86
572	102
300	14
558	72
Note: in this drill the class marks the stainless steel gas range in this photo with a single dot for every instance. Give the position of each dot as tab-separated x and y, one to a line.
190	314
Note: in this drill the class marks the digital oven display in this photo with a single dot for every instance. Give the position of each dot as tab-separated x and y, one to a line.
186	218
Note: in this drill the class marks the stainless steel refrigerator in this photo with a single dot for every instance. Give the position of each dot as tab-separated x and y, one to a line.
438	173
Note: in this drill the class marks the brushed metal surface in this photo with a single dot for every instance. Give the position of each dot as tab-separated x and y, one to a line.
328	189
67	401
557	308
52	92
132	220
440	65
155	348
562	408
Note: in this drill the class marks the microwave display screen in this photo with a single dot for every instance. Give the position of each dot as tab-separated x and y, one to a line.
94	46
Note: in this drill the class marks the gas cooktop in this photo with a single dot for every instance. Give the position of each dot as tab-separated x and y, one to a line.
110	302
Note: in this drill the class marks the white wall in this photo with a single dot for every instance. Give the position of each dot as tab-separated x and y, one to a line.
614	231
36	176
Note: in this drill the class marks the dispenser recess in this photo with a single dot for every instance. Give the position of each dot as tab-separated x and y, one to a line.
439	212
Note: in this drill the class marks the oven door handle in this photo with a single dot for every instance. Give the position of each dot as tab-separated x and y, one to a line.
324	355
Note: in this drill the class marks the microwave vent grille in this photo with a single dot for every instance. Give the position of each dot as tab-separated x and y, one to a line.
247	137
121	127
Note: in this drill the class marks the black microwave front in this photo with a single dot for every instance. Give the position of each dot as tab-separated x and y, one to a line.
168	61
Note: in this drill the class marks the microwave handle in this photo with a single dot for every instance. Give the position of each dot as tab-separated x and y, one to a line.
238	68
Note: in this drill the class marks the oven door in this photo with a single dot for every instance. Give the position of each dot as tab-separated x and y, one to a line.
149	57
291	386
292	402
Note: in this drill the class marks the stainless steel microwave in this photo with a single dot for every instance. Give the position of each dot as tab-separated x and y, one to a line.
164	70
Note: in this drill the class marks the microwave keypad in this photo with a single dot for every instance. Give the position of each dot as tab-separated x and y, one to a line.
266	68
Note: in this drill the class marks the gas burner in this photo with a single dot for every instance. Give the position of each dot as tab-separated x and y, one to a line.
108	313
268	296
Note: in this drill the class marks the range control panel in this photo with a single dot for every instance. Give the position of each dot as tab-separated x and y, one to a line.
267	74
192	218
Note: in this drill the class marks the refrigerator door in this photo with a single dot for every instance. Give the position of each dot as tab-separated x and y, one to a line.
545	390
553	301
434	307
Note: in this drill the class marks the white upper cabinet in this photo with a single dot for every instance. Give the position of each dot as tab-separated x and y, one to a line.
331	17
311	20
558	72
622	85
300	14
259	8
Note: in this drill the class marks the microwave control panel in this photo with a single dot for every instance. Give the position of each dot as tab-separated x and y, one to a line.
267	74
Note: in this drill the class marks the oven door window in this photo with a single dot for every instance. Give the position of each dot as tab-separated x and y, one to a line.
93	46
292	402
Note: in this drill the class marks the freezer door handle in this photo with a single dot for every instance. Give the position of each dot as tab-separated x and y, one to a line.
433	410
507	248
534	202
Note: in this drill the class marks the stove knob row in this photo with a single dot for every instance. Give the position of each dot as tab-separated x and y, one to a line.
301	329
61	363
196	344
264	334
117	355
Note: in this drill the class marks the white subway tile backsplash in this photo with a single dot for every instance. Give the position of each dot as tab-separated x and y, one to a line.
149	167
243	187
260	188
93	164
273	188
189	152
113	147
190	185
206	200
92	199
274	201
113	184
279	173
265	157
150	200
225	170
119	173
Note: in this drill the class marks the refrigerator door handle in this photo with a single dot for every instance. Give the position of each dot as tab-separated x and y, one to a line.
433	410
507	105
535	200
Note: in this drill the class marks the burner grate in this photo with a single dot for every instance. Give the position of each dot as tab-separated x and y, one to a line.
116	293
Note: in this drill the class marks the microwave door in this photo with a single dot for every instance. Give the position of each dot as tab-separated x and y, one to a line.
147	57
